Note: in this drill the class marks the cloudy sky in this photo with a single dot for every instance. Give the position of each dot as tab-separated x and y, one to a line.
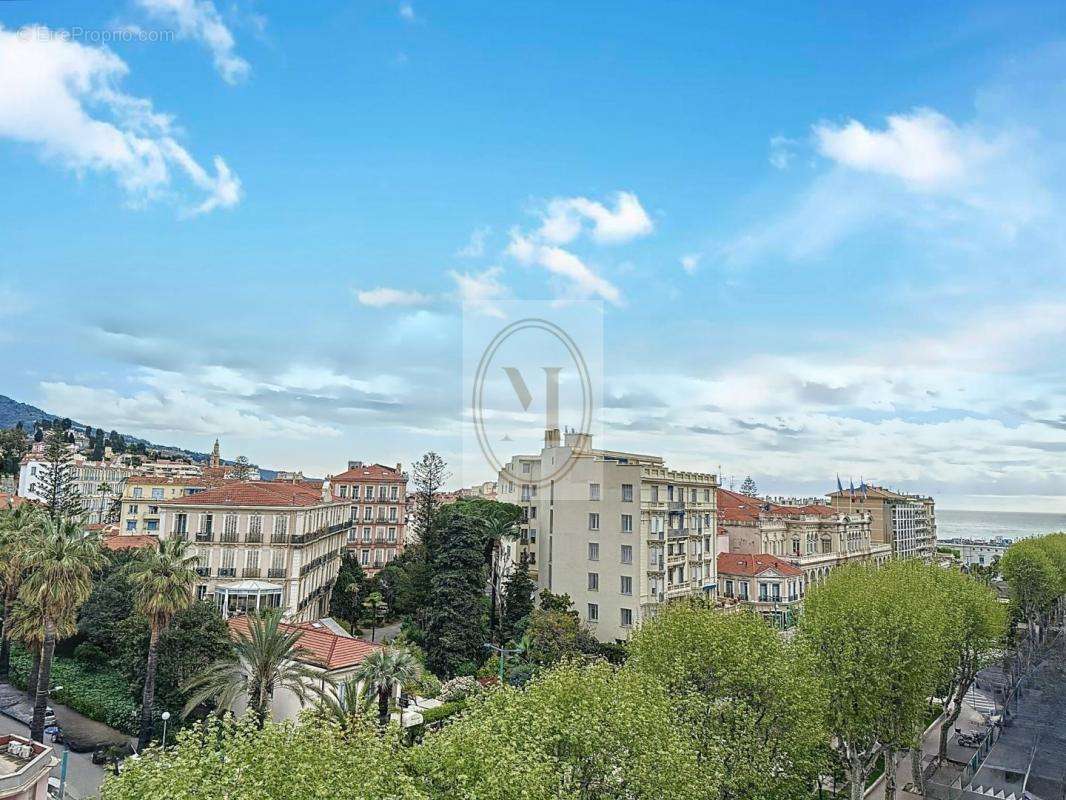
825	241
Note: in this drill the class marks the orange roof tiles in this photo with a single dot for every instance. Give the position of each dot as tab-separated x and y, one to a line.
11	500
751	565
130	541
252	493
320	646
368	472
169	480
736	507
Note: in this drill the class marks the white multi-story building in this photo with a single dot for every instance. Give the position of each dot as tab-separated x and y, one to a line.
99	483
978	552
905	521
263	544
379	511
620	533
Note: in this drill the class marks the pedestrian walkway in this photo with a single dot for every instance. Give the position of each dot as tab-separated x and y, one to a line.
981	702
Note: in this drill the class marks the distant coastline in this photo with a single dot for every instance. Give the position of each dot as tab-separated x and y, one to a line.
990	524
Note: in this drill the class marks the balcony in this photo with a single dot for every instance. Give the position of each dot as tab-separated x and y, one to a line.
228	537
675	505
279	538
254	538
250	572
203	572
205	536
276	572
227	572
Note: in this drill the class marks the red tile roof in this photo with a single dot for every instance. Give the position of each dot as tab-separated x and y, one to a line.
130	541
319	645
252	493
169	480
11	500
752	565
368	472
735	507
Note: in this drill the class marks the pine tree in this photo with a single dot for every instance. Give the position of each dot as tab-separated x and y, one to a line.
428	476
57	486
517	600
748	487
241	469
455	616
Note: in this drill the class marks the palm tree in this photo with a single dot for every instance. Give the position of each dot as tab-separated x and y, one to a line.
498	526
17	525
266	660
163	581
27	628
383	670
60	561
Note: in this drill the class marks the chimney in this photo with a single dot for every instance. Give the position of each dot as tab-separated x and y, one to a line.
399	467
552	437
354	464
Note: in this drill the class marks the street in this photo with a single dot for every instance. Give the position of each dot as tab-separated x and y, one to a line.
83	777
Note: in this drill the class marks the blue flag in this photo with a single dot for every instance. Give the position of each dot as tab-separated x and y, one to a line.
840	486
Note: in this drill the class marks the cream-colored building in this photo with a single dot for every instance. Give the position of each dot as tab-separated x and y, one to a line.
143	494
906	522
769	585
379	511
621	533
263	544
816	538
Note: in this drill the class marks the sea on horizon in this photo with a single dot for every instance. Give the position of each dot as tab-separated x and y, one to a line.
990	524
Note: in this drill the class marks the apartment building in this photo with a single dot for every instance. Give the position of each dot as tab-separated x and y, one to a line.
978	552
142	495
906	522
621	533
378	497
767	584
263	544
100	483
814	538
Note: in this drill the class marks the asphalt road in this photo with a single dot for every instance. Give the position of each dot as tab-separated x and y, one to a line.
83	777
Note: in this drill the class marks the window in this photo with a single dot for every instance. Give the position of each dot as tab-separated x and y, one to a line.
255	527
138	492
230	525
743	586
281	526
594	551
627	554
157	494
594	522
626	617
626	585
344	491
392	534
131	525
593	612
134	509
594	581
627	523
152	524
526	466
381	495
392	514
594	491
353	535
366	534
364	557
627	493
181	523
532	512
729	588
393	492
251	561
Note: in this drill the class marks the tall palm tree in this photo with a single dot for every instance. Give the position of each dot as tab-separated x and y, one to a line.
60	561
383	670
266	660
498	527
17	526
27	628
163	581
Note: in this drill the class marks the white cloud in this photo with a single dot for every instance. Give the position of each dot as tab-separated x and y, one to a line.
58	94
563	263
781	151
384	296
407	12
475	248
563	219
690	262
924	149
481	292
200	20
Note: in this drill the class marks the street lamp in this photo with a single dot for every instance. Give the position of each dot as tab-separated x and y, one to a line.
503	652
165	716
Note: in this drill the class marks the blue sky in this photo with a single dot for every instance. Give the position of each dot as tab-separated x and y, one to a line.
826	239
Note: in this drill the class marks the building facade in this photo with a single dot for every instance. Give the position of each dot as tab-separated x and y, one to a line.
978	552
99	483
906	522
263	544
25	766
378	497
769	585
143	494
814	538
621	533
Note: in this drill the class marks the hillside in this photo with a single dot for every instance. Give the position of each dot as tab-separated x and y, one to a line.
12	412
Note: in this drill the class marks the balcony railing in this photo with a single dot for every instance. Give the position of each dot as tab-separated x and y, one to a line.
276	572
228	537
227	572
203	572
250	572
254	538
205	536
279	538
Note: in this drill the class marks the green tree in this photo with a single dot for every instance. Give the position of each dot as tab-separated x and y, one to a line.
557	602
349	591
382	671
877	639
428	475
748	487
56	484
196	638
110	603
163	579
751	703
454	617
1034	584
501	526
60	562
376	608
241	469
266	659
517	601
14	444
239	760
18	526
553	636
577	732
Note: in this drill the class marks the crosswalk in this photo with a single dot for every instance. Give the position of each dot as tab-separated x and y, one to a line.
980	702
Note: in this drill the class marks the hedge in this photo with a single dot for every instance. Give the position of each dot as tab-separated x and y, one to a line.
100	693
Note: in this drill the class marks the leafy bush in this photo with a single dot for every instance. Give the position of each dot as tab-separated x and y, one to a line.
443	711
458	689
90	655
427	685
98	693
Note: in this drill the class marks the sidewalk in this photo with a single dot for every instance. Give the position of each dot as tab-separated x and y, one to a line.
968	720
